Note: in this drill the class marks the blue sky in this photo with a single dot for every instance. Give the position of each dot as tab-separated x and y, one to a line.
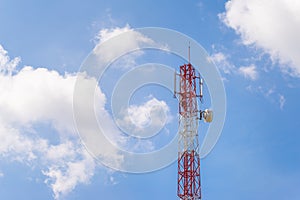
255	45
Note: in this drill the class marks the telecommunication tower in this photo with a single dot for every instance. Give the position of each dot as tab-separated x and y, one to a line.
189	94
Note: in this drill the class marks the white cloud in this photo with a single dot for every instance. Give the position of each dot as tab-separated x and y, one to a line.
249	72
58	161
106	52
281	101
146	118
273	26
122	44
64	176
222	62
32	96
141	115
17	147
271	94
106	34
7	65
29	97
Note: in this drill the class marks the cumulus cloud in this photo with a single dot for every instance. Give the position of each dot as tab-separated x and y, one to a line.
146	118
273	26
128	45
32	96
125	43
249	72
68	170
7	65
141	115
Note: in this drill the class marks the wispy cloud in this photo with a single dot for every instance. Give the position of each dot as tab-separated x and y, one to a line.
270	93
281	101
249	72
222	62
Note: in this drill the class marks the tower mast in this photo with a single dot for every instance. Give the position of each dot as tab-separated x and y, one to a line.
189	183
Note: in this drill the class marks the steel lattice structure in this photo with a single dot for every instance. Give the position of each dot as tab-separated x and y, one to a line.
189	183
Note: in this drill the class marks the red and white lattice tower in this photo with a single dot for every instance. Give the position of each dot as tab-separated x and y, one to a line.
190	91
